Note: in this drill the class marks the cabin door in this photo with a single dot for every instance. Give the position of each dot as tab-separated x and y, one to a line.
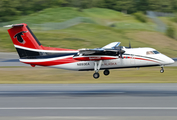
132	60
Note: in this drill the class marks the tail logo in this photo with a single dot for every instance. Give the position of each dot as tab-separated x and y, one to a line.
19	37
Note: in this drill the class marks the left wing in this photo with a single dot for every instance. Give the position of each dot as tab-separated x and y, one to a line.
108	52
97	54
99	51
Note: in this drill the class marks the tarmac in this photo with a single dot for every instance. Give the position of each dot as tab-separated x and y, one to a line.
85	101
88	100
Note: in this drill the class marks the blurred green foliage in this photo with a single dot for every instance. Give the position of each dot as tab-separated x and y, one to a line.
11	9
170	32
141	17
90	35
174	18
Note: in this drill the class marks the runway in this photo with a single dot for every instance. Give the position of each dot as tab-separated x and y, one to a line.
88	100
85	101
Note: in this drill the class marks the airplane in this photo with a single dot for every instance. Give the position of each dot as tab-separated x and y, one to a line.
111	56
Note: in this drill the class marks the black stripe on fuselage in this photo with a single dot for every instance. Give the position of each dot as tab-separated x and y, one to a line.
27	54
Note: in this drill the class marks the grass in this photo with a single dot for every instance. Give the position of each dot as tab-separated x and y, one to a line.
101	16
134	26
156	40
169	21
87	35
49	75
61	14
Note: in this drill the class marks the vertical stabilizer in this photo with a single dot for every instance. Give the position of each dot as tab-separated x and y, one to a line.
24	40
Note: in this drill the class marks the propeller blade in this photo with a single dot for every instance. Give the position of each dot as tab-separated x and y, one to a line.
121	52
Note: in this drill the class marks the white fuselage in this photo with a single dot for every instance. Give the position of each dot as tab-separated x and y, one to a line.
134	57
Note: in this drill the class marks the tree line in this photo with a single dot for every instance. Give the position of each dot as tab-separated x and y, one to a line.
9	9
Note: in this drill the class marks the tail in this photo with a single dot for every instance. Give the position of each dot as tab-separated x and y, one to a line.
28	46
24	40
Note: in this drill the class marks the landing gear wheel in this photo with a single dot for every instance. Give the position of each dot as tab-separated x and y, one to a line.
106	72
162	70
96	75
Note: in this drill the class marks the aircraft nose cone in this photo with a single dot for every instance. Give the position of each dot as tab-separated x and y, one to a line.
170	61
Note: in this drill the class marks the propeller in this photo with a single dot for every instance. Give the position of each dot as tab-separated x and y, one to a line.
120	51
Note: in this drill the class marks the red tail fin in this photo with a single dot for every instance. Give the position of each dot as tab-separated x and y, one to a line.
22	36
28	46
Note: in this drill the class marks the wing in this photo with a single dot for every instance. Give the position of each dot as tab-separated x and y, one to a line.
90	51
99	52
95	55
112	45
108	52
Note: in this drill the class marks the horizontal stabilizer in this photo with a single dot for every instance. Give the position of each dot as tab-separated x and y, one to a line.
14	25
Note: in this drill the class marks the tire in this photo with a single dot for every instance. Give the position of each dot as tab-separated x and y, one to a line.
96	75
162	71
106	72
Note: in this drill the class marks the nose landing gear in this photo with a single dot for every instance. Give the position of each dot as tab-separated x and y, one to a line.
162	70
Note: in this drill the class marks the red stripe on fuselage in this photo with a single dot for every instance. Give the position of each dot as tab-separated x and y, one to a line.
130	57
93	58
70	60
53	62
145	59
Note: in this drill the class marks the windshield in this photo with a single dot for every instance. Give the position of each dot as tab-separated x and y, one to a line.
156	52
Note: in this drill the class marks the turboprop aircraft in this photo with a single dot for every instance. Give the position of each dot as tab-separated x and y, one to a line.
111	56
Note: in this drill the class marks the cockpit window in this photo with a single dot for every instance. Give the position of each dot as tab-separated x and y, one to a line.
156	52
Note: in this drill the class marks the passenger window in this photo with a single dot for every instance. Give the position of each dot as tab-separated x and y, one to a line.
149	52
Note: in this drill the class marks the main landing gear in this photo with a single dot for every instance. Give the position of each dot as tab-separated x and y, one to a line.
96	75
106	72
97	66
162	70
